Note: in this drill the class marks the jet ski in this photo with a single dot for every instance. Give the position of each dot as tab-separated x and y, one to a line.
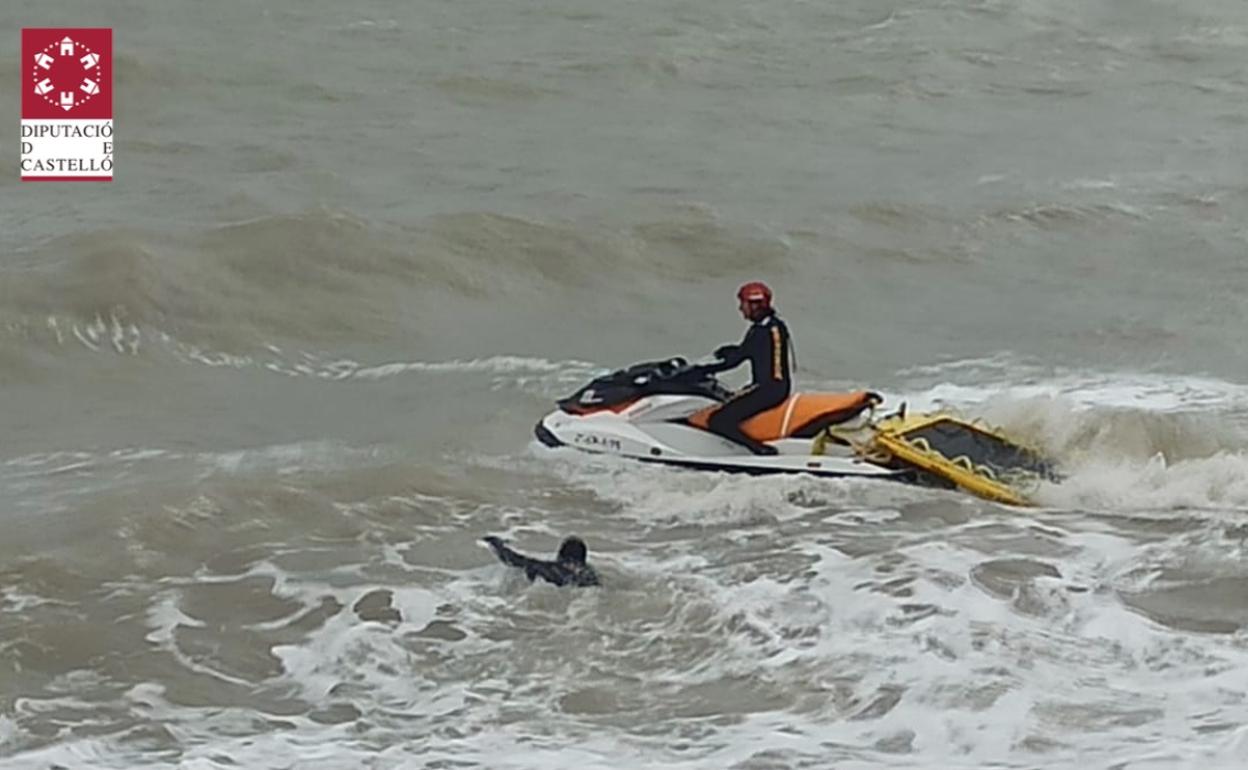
659	412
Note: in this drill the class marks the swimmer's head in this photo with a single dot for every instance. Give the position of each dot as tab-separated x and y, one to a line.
572	551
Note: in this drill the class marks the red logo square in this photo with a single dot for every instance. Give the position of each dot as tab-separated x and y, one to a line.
67	73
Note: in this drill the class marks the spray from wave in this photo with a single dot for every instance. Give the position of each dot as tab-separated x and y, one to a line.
1123	441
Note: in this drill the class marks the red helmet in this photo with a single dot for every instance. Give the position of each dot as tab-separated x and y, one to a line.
755	291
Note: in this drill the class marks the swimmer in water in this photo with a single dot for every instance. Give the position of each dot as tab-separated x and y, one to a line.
568	568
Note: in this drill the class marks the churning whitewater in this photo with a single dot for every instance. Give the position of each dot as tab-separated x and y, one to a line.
262	395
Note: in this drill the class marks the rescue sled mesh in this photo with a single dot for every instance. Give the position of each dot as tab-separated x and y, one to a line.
983	449
955	453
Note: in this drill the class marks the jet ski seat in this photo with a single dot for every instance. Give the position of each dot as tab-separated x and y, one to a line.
801	415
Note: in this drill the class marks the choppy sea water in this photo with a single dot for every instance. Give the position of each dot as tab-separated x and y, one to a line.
261	395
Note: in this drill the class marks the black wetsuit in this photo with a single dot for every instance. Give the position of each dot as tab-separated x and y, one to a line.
561	573
766	347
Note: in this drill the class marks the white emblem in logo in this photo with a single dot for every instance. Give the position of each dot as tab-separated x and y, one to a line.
48	58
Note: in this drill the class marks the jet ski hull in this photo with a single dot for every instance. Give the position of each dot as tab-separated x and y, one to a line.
691	448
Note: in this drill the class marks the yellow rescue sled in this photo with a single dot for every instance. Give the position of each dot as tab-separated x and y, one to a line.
948	451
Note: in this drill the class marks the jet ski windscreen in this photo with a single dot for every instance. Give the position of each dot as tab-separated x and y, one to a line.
669	375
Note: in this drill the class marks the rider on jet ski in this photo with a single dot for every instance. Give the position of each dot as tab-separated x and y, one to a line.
766	347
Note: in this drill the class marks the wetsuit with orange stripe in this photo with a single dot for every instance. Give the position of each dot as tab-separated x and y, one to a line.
766	347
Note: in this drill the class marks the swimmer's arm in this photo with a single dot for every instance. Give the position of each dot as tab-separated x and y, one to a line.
510	557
